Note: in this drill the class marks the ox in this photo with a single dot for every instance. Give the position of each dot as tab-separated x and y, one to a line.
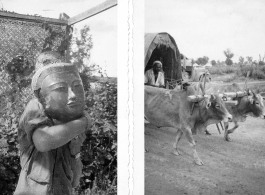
251	104
170	108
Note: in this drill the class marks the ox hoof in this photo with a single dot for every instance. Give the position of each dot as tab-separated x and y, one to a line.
207	132
227	138
176	152
198	162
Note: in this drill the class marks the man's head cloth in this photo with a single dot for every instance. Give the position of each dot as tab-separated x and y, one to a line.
157	62
44	71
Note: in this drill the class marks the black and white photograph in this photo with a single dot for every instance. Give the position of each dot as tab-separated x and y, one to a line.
204	89
58	97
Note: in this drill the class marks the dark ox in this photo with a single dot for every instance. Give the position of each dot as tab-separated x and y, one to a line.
170	108
247	105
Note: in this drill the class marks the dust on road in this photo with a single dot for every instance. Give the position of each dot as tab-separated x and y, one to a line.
236	167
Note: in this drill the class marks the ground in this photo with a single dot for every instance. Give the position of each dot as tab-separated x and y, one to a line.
236	167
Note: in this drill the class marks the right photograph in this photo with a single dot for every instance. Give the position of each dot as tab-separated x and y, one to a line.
204	91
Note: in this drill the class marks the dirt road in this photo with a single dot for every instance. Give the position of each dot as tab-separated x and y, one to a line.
236	167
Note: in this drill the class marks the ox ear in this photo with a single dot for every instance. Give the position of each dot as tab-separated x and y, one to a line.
208	102
251	99
249	92
208	105
212	97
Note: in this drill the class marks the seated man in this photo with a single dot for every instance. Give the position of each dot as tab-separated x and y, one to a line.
155	76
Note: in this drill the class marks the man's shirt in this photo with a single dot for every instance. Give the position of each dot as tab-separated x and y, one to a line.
42	173
149	78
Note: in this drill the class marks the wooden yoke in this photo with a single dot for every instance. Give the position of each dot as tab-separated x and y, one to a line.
195	99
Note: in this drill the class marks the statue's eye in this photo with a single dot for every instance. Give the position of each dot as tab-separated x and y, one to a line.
257	103
217	106
62	88
77	85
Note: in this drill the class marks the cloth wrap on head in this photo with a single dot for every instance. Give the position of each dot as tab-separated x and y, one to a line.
157	62
43	72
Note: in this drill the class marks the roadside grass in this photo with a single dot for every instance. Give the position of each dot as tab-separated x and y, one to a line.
238	72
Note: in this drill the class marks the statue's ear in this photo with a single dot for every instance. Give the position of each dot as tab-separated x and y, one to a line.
40	97
37	93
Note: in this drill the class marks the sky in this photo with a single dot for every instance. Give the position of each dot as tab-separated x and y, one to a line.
208	27
103	26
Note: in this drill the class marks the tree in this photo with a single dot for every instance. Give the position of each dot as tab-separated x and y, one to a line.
229	55
261	60
249	60
202	61
213	62
80	47
241	60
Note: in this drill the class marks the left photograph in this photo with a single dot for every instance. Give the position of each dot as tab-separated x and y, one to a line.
58	97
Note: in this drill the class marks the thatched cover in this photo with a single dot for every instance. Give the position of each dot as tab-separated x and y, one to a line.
162	46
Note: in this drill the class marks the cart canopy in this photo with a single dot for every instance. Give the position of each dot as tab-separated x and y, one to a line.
162	46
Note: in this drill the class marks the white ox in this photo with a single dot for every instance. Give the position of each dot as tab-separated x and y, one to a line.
251	104
170	108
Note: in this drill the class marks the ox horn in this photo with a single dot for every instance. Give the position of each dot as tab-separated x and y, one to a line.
196	98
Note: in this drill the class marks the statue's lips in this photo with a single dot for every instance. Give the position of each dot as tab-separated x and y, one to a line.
72	104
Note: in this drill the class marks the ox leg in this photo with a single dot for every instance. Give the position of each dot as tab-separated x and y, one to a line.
232	130
192	143
226	136
207	132
178	137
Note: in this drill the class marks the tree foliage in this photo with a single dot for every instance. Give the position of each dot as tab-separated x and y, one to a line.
241	60
228	61
261	60
229	55
202	60
249	59
213	62
80	47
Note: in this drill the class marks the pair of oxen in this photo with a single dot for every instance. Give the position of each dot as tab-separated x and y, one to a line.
189	111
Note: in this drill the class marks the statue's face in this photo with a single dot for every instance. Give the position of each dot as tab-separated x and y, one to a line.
63	95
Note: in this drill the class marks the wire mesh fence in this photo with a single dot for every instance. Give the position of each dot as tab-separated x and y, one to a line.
21	41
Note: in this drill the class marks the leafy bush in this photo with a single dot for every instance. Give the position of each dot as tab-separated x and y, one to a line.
228	61
220	70
100	147
9	154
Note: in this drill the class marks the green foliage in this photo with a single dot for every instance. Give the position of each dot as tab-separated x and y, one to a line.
228	53
241	60
239	71
100	147
9	156
202	61
256	72
80	47
213	62
228	61
220	70
249	59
